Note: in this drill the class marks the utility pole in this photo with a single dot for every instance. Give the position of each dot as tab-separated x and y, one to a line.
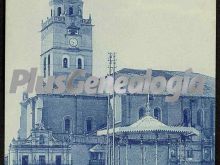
112	67
108	147
113	112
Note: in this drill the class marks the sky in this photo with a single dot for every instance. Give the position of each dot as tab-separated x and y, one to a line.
159	34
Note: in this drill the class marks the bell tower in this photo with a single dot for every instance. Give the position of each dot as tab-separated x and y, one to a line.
66	39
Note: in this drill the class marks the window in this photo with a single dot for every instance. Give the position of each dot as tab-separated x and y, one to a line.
41	141
51	12
45	67
89	125
79	63
70	11
94	156
199	117
42	160
189	153
67	125
186	118
65	63
58	160
207	154
59	11
141	113
25	160
48	63
157	114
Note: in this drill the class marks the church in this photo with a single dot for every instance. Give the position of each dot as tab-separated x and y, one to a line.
64	129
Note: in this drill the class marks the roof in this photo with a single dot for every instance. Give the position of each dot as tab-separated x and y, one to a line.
150	124
209	89
97	148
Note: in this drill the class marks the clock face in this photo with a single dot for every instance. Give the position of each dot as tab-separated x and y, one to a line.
73	42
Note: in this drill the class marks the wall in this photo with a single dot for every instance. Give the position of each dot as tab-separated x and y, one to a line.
78	108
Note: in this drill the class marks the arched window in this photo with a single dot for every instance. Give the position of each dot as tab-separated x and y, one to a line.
141	113
67	123
59	11
51	12
157	113
65	62
89	125
41	140
79	62
48	63
45	67
186	117
70	11
199	117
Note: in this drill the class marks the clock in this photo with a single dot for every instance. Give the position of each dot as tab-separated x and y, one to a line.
73	42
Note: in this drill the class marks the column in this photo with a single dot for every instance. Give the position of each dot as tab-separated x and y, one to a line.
126	149
156	149
184	148
38	112
142	151
168	162
178	150
119	154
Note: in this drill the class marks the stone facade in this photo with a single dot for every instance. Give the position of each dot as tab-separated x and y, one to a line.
66	39
39	148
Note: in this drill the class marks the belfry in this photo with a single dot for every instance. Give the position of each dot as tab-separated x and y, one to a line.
66	39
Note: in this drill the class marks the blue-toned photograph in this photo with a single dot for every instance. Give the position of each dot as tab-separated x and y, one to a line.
110	82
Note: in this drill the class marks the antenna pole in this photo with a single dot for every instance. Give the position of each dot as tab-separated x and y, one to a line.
113	112
108	147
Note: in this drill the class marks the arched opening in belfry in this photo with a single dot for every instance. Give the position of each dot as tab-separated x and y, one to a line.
79	62
65	63
59	11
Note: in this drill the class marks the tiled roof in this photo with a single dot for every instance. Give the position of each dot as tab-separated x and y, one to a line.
150	124
209	89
